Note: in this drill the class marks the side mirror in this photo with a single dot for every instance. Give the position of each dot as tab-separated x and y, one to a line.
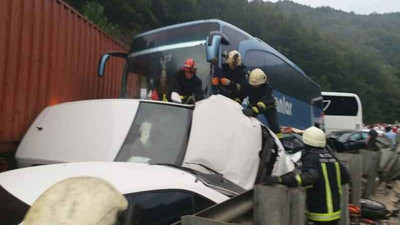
104	58
214	40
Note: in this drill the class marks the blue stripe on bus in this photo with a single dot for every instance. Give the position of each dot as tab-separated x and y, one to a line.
294	113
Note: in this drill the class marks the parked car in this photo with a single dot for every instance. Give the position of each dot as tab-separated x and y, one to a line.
348	140
163	193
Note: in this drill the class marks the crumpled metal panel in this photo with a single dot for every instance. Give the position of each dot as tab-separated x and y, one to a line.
48	55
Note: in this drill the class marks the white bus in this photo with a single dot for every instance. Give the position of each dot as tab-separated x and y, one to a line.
342	111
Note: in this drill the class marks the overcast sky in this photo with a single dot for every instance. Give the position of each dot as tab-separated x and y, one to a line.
357	6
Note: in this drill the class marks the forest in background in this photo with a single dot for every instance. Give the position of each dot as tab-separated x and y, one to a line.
341	51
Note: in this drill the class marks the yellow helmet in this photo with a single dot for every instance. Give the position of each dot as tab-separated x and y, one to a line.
78	201
257	77
234	59
314	137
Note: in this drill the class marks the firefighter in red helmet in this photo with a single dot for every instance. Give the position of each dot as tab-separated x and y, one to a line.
187	84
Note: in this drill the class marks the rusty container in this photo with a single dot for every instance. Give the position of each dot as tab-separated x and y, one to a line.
48	55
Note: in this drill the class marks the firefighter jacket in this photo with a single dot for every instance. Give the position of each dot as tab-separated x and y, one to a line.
189	89
323	176
236	89
261	98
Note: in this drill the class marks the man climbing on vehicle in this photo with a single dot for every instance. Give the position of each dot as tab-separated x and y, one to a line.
323	176
261	100
187	84
231	80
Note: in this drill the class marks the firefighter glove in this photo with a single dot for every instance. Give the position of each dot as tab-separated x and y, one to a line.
248	112
271	180
225	81
215	81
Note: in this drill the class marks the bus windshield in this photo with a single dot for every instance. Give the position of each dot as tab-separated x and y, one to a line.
170	45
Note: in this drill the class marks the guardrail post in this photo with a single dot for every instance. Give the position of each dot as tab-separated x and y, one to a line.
371	162
271	205
354	163
345	216
297	201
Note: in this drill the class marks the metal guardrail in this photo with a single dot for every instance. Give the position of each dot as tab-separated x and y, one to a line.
279	205
272	205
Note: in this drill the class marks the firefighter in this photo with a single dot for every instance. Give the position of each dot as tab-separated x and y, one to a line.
261	100
187	84
231	80
322	175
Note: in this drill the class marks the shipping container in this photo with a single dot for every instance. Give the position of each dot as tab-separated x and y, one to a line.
48	55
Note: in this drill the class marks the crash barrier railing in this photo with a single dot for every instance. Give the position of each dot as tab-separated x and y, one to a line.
391	169
278	205
265	205
371	161
272	205
376	166
354	163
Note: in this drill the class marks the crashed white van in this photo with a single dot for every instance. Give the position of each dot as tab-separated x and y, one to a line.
166	152
213	135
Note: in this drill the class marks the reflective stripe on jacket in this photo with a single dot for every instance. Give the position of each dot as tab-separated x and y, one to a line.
323	177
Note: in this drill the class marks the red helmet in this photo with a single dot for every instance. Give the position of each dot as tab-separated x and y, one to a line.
190	65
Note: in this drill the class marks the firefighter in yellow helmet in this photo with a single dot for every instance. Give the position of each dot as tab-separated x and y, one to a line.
323	176
231	80
261	100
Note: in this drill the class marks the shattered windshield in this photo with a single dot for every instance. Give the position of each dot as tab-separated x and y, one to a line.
159	134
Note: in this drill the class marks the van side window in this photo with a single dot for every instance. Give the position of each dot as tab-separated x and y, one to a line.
165	207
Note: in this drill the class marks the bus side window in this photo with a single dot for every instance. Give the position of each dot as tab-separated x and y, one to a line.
254	58
274	65
235	37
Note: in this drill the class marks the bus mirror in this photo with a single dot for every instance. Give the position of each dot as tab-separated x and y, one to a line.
214	40
104	58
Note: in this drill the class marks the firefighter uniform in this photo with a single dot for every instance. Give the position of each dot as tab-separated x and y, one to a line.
189	89
261	100
235	90
323	177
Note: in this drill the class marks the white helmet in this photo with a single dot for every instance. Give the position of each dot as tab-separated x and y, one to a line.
77	201
234	58
257	77
314	137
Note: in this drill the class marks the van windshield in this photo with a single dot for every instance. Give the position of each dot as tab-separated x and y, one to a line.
158	134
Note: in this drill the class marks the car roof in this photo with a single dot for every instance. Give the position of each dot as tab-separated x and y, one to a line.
28	183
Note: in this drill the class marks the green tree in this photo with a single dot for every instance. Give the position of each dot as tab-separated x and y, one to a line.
95	12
